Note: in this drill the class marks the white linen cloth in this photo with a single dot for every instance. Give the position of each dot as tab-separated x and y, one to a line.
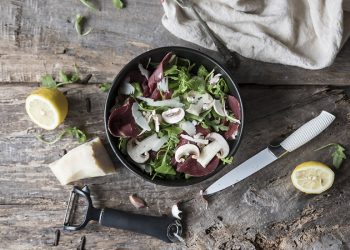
304	33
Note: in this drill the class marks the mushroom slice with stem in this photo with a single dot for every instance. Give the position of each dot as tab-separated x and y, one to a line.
138	150
218	147
174	115
186	150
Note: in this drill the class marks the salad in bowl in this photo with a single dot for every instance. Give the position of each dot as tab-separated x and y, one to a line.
174	119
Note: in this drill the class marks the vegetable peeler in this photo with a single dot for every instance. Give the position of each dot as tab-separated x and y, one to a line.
80	212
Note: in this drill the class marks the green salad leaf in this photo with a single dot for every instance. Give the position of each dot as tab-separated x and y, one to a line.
118	4
105	86
88	4
202	72
338	155
47	81
74	132
227	160
79	23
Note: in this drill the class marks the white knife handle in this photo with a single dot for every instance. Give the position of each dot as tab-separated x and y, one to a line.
308	131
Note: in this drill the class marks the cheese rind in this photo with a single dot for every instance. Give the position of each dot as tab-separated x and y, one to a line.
87	160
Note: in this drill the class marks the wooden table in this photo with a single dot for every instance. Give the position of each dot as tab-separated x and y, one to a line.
262	212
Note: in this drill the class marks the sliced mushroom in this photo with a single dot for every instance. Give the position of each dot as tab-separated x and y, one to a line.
218	147
199	102
186	150
138	150
173	116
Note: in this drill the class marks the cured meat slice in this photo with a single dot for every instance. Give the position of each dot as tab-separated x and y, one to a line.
193	168
233	104
121	123
157	75
232	131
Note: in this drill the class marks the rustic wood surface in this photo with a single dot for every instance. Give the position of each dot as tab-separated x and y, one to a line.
262	212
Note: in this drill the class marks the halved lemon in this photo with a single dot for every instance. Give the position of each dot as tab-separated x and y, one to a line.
47	107
312	177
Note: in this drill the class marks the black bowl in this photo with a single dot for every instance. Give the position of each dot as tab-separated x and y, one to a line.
157	55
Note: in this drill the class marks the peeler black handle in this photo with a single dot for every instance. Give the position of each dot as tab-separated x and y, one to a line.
151	225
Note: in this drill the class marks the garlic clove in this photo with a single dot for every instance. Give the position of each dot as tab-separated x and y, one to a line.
137	201
175	211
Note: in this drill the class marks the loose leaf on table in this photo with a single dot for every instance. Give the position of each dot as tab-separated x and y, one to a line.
105	86
79	23
48	82
118	4
77	134
73	132
68	78
88	4
338	154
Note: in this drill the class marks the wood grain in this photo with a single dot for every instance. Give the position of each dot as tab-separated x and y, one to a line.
262	212
38	36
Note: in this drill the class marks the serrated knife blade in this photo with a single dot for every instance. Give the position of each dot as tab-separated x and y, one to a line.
298	138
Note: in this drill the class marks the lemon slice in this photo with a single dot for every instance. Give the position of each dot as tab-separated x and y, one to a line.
312	177
47	107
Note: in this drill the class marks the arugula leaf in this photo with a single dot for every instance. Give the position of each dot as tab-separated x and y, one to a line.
138	89
227	160
67	79
118	4
73	132
202	72
219	90
338	155
77	134
63	76
162	166
105	86
88	4
122	144
79	23
171	71
48	82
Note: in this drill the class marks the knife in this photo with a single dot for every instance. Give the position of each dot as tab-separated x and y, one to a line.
297	139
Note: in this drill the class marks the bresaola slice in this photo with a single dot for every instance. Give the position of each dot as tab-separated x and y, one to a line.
233	104
136	76
191	167
157	74
232	131
121	123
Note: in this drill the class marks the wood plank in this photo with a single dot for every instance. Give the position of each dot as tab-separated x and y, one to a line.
262	212
38	37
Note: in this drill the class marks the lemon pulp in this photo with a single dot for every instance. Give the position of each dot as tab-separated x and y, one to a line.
312	177
47	107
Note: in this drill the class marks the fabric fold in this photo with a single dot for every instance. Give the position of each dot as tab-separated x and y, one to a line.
303	33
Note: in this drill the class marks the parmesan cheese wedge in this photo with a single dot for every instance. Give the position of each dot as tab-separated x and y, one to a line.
87	160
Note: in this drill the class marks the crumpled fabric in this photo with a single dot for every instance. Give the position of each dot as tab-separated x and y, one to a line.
303	33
